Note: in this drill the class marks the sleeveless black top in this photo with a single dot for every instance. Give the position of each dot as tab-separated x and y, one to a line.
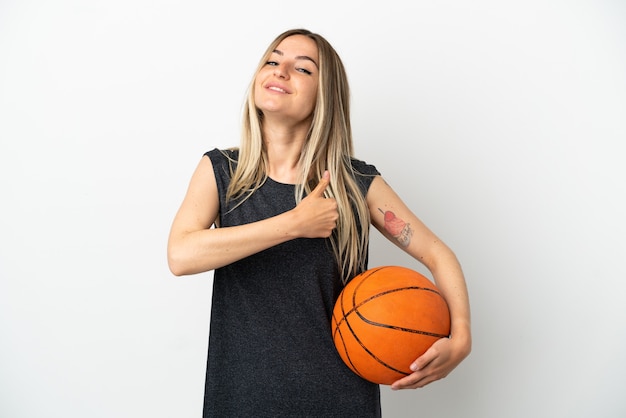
271	352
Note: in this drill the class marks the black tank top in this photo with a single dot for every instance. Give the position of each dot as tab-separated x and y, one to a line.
271	352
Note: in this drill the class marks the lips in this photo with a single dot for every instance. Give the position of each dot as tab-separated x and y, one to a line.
277	88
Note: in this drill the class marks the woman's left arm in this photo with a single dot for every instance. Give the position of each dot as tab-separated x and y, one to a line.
396	221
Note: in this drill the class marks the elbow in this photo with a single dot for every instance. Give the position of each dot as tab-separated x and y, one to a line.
176	272
176	264
181	264
175	268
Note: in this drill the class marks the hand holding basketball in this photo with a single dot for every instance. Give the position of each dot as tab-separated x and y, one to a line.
316	215
436	363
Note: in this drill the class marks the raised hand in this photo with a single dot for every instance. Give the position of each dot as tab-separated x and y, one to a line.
316	216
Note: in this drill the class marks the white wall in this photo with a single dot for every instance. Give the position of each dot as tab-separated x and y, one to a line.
501	123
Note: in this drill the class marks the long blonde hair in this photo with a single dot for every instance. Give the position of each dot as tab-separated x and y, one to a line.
328	147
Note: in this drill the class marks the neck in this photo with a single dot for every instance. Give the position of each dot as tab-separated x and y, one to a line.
284	146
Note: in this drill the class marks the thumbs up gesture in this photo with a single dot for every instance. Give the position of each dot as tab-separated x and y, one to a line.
316	216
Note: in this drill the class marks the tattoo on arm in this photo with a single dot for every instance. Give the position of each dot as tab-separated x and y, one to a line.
400	230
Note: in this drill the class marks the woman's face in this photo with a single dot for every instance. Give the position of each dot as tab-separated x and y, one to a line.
286	86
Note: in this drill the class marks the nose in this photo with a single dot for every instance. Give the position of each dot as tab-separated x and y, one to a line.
280	72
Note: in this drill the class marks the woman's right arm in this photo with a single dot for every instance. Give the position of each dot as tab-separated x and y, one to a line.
194	247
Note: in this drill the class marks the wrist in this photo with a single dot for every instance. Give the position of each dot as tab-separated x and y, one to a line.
289	224
461	336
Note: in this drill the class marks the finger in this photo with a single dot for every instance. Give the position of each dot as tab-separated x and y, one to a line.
424	360
321	186
413	381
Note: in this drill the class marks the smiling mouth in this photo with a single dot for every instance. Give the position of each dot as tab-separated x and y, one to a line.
278	89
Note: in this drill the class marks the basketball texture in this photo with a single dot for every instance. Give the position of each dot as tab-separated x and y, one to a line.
384	319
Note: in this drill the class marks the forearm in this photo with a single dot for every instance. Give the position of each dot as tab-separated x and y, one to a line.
450	280
208	249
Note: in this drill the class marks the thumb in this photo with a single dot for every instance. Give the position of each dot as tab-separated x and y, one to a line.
321	186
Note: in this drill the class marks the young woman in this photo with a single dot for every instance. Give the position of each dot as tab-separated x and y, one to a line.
284	221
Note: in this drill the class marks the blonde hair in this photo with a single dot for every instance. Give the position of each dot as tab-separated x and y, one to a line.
328	147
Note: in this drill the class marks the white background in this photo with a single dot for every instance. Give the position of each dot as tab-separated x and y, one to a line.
501	123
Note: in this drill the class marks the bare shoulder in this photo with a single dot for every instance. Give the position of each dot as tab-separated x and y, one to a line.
204	170
200	206
379	191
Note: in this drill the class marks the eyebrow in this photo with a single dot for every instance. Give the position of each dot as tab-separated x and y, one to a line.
298	57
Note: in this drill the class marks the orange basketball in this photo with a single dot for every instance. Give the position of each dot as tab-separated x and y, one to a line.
384	319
